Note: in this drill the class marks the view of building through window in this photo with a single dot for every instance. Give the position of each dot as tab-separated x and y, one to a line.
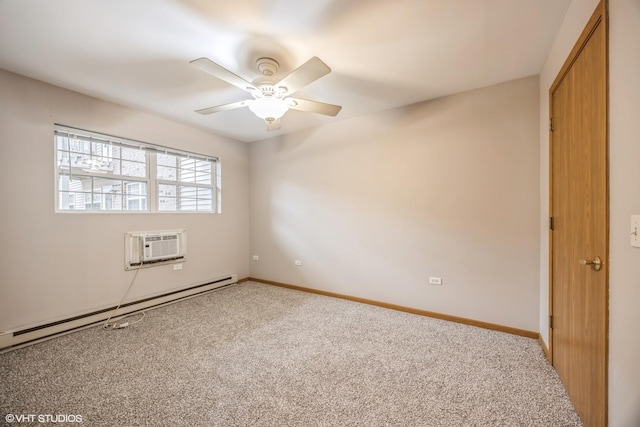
100	173
184	183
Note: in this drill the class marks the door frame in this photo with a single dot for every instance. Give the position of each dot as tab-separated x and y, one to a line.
599	17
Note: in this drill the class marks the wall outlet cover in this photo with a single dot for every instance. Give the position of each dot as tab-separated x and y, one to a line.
635	231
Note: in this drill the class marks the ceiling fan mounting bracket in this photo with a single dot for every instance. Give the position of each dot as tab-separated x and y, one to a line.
267	66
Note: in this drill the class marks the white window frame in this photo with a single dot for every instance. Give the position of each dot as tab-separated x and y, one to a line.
151	180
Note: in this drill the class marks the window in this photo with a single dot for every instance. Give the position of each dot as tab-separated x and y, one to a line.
94	174
108	174
184	183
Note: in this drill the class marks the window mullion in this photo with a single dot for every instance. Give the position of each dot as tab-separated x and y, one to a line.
91	194
153	182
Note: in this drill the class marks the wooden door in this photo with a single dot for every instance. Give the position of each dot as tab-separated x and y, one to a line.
579	208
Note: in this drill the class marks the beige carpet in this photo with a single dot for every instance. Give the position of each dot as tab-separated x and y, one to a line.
258	355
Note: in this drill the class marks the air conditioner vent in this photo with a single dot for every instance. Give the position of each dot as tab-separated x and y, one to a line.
159	247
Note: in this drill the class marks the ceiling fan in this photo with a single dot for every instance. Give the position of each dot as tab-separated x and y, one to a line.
271	98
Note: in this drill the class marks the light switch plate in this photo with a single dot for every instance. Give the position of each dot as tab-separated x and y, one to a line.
635	231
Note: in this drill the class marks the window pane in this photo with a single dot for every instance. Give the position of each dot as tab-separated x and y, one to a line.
80	184
205	193
187	175
63	182
78	160
106	185
62	143
134	169
136	203
79	146
70	200
167	190
188	204
202	178
63	160
136	188
97	202
116	166
203	166
166	160
167	204
167	173
133	154
186	163
100	149
188	191
113	202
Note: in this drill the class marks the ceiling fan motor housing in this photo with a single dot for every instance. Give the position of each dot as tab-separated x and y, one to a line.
265	84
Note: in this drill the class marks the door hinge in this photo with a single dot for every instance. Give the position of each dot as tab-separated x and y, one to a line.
550	223
550	322
551	124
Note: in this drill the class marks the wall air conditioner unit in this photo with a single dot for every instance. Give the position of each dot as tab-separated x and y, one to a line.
158	247
148	248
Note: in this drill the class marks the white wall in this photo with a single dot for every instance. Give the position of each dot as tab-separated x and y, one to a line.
624	152
624	297
55	265
375	205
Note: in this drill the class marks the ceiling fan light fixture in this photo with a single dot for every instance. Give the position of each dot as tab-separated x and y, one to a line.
271	98
269	108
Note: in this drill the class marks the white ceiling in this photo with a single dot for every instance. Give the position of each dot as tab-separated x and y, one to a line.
383	53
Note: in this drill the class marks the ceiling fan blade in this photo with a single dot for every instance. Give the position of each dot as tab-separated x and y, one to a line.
223	107
273	124
307	73
208	66
314	106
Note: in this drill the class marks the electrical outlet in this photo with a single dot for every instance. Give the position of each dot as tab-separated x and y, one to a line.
256	258
177	266
435	281
297	262
635	231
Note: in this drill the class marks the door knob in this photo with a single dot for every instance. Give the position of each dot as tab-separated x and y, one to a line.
596	264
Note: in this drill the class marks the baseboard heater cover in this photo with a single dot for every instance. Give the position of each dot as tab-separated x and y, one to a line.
16	339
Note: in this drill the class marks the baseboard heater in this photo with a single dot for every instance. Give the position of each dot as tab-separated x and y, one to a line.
28	336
